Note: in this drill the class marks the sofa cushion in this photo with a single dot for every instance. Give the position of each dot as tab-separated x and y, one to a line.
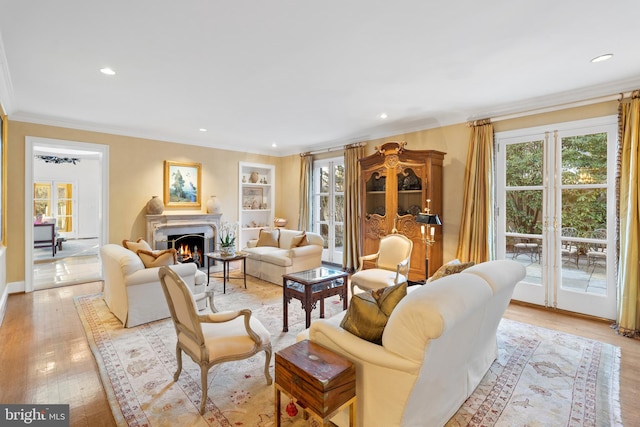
139	244
278	257
158	258
268	238
369	311
256	253
452	267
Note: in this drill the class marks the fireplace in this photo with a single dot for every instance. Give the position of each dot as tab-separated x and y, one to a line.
184	231
190	247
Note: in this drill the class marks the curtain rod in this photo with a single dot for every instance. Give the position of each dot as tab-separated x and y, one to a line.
561	107
336	148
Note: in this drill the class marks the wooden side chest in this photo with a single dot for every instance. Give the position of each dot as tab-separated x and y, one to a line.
321	381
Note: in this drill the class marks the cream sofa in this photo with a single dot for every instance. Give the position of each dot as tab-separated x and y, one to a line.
133	293
270	263
439	342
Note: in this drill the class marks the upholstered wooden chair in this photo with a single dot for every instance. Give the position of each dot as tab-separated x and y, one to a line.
211	338
392	262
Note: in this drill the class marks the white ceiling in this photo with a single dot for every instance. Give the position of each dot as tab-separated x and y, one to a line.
305	74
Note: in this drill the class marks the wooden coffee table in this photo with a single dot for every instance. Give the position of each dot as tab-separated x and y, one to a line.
225	260
311	286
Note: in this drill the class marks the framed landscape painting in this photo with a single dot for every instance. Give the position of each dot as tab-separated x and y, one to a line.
182	184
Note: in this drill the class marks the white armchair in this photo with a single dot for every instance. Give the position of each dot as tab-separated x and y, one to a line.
211	338
392	264
133	293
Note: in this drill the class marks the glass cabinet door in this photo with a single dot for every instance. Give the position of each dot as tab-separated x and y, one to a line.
376	195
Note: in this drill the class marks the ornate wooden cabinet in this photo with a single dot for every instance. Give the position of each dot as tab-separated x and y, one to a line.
395	185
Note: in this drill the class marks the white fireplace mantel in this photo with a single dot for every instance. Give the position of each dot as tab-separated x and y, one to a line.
158	226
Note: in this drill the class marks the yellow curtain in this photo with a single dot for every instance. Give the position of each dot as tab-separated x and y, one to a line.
475	239
306	168
628	319
351	252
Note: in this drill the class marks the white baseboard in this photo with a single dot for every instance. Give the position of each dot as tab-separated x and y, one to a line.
15	287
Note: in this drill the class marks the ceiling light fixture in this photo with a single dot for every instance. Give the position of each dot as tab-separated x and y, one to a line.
274	145
383	115
202	130
602	58
108	71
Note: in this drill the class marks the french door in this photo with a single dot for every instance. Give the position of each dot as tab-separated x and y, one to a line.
56	199
328	206
556	213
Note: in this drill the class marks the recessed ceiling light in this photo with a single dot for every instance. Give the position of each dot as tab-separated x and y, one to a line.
602	57
274	145
383	115
107	71
202	130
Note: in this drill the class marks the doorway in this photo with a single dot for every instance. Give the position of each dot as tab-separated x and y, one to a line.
556	213
76	174
328	206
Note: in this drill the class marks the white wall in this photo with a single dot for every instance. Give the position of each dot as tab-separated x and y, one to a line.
85	176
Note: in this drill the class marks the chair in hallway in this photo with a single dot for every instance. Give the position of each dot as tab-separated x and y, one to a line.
44	236
211	338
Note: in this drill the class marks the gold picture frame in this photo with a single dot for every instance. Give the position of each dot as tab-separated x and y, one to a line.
182	184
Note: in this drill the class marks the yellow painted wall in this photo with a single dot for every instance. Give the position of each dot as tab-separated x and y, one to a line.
136	168
136	173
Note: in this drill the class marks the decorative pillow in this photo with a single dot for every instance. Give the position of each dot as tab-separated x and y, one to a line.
297	240
139	244
304	241
369	311
268	238
158	258
452	267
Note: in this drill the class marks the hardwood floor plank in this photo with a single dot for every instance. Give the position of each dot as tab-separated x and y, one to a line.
45	356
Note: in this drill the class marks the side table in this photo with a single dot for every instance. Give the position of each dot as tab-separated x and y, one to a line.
225	260
321	381
311	286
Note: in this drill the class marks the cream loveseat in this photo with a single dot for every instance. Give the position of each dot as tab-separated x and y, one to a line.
438	343
133	293
271	262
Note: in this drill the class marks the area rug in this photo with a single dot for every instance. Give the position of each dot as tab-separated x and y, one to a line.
541	377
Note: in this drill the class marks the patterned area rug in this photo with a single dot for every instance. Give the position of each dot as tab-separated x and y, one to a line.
541	377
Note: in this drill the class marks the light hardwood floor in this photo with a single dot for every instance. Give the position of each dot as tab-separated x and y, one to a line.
45	357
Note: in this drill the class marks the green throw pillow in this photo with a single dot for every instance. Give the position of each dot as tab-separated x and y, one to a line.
369	311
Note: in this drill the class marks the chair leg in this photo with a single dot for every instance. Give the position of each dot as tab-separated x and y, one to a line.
204	371
267	361
179	360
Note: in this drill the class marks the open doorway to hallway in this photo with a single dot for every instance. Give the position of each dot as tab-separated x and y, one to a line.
66	185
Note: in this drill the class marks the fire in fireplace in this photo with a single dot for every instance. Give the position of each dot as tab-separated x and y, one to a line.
189	247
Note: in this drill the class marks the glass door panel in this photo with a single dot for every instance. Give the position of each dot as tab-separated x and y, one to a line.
328	211
64	214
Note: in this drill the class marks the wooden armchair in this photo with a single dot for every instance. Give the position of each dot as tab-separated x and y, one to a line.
212	338
392	264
